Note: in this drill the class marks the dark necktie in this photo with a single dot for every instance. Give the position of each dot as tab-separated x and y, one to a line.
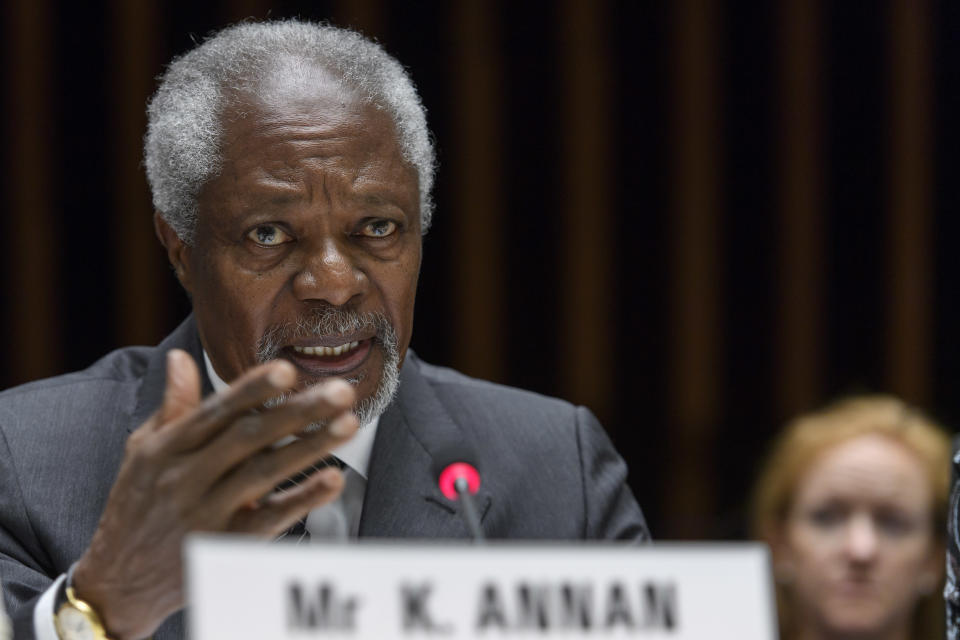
298	532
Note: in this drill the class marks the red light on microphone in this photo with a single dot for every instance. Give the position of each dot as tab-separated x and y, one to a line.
449	476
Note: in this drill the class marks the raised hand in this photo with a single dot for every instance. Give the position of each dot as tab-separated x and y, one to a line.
206	465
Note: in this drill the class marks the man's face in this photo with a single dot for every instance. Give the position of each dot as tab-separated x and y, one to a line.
308	242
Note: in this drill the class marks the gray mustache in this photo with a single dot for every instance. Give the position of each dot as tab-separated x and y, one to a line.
325	321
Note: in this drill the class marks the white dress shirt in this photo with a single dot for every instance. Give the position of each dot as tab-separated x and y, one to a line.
339	519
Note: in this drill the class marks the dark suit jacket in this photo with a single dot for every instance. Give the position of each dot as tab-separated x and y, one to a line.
549	471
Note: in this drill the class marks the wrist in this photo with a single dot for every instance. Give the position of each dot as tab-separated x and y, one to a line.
88	589
75	618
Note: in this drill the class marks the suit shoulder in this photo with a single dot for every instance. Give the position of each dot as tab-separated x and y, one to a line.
477	396
123	367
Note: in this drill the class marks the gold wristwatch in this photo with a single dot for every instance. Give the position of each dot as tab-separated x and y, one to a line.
77	620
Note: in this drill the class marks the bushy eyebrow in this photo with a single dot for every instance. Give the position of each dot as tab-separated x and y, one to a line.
275	199
375	200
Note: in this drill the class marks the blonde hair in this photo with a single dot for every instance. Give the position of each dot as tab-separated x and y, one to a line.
805	438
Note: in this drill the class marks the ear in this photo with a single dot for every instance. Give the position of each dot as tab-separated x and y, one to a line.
178	252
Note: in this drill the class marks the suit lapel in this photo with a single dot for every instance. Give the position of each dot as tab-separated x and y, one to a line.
149	397
402	498
154	381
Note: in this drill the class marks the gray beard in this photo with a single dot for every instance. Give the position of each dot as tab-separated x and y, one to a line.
329	320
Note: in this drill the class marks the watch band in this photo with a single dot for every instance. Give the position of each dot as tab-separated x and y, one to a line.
61	597
66	597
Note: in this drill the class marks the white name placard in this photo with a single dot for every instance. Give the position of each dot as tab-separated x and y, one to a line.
6	632
239	589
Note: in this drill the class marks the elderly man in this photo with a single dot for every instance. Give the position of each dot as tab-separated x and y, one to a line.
291	170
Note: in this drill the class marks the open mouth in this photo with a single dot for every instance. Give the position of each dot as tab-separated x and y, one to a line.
327	351
329	359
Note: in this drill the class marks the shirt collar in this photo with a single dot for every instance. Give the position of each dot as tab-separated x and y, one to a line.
355	453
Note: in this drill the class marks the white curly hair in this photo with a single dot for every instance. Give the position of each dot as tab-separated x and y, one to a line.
182	144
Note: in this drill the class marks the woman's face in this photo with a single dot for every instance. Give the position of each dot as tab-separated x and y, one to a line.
858	547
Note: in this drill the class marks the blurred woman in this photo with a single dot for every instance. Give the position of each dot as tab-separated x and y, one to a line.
852	501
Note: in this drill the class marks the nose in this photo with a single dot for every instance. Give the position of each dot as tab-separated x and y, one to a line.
861	540
329	273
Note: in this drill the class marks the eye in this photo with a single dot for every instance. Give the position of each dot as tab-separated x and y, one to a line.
894	524
378	229
827	517
268	235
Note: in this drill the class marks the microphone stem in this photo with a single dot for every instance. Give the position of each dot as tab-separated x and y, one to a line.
469	509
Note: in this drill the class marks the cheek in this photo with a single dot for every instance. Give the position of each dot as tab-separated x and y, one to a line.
909	558
397	284
901	570
235	307
810	545
222	278
812	558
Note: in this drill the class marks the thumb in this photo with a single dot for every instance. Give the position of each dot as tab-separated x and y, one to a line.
182	393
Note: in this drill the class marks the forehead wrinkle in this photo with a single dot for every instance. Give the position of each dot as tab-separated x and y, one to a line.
298	129
288	174
368	185
287	145
276	176
323	155
323	193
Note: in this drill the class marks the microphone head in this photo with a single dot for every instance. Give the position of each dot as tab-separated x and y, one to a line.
449	476
454	462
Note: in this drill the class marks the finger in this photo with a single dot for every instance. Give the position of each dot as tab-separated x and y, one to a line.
328	402
260	474
279	511
218	411
181	395
182	392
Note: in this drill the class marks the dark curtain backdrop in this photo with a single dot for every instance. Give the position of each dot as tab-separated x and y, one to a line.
696	217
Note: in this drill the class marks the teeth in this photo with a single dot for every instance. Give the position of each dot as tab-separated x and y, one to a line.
327	351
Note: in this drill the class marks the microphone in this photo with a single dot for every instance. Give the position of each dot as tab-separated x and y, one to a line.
459	479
